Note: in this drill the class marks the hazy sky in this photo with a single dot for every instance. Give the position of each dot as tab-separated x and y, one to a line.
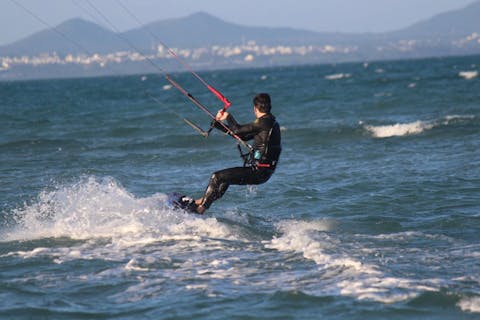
317	15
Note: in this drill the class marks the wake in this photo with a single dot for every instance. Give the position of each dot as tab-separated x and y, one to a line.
95	208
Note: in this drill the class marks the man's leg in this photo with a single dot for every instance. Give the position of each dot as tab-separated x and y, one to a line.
221	180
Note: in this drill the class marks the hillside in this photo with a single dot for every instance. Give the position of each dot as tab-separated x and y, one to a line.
72	36
81	48
448	25
202	29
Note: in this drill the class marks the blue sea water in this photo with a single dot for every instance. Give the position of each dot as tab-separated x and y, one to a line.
373	212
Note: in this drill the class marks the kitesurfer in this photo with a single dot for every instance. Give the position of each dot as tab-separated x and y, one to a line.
263	158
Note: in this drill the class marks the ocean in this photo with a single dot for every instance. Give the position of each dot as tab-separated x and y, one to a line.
373	212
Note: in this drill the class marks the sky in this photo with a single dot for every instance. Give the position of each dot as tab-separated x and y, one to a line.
355	16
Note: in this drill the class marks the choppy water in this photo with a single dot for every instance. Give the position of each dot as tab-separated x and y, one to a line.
373	212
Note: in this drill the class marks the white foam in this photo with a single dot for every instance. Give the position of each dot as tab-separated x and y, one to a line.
27	254
87	209
412	128
353	277
100	208
456	117
162	245
399	129
132	265
468	74
310	239
338	76
470	304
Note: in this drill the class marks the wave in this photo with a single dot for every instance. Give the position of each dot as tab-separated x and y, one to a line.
468	74
471	304
101	208
102	220
338	76
353	277
398	129
411	128
321	132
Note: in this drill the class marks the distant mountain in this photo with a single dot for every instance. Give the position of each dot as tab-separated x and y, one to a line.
202	29
209	42
449	25
197	30
72	36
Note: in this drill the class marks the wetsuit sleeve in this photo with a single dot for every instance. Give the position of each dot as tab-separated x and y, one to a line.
217	125
245	132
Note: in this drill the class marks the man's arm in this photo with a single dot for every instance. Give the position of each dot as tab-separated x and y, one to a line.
245	132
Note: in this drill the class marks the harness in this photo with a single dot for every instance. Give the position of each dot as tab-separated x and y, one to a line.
253	158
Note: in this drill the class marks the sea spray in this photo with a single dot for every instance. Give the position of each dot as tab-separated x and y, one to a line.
101	208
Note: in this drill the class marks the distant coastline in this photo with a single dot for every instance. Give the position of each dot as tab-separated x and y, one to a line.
87	49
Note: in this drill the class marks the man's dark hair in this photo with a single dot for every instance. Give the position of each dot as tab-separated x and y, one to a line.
262	102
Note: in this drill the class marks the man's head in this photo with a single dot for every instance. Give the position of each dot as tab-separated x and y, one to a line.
262	102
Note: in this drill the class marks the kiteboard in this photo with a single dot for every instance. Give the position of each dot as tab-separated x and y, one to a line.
178	201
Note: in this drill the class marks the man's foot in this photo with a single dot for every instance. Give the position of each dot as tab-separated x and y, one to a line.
201	209
191	205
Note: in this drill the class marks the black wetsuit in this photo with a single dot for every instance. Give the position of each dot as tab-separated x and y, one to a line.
265	132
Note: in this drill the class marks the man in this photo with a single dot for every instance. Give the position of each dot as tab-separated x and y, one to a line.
265	132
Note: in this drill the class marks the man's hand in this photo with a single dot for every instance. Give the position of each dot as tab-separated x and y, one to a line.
221	115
